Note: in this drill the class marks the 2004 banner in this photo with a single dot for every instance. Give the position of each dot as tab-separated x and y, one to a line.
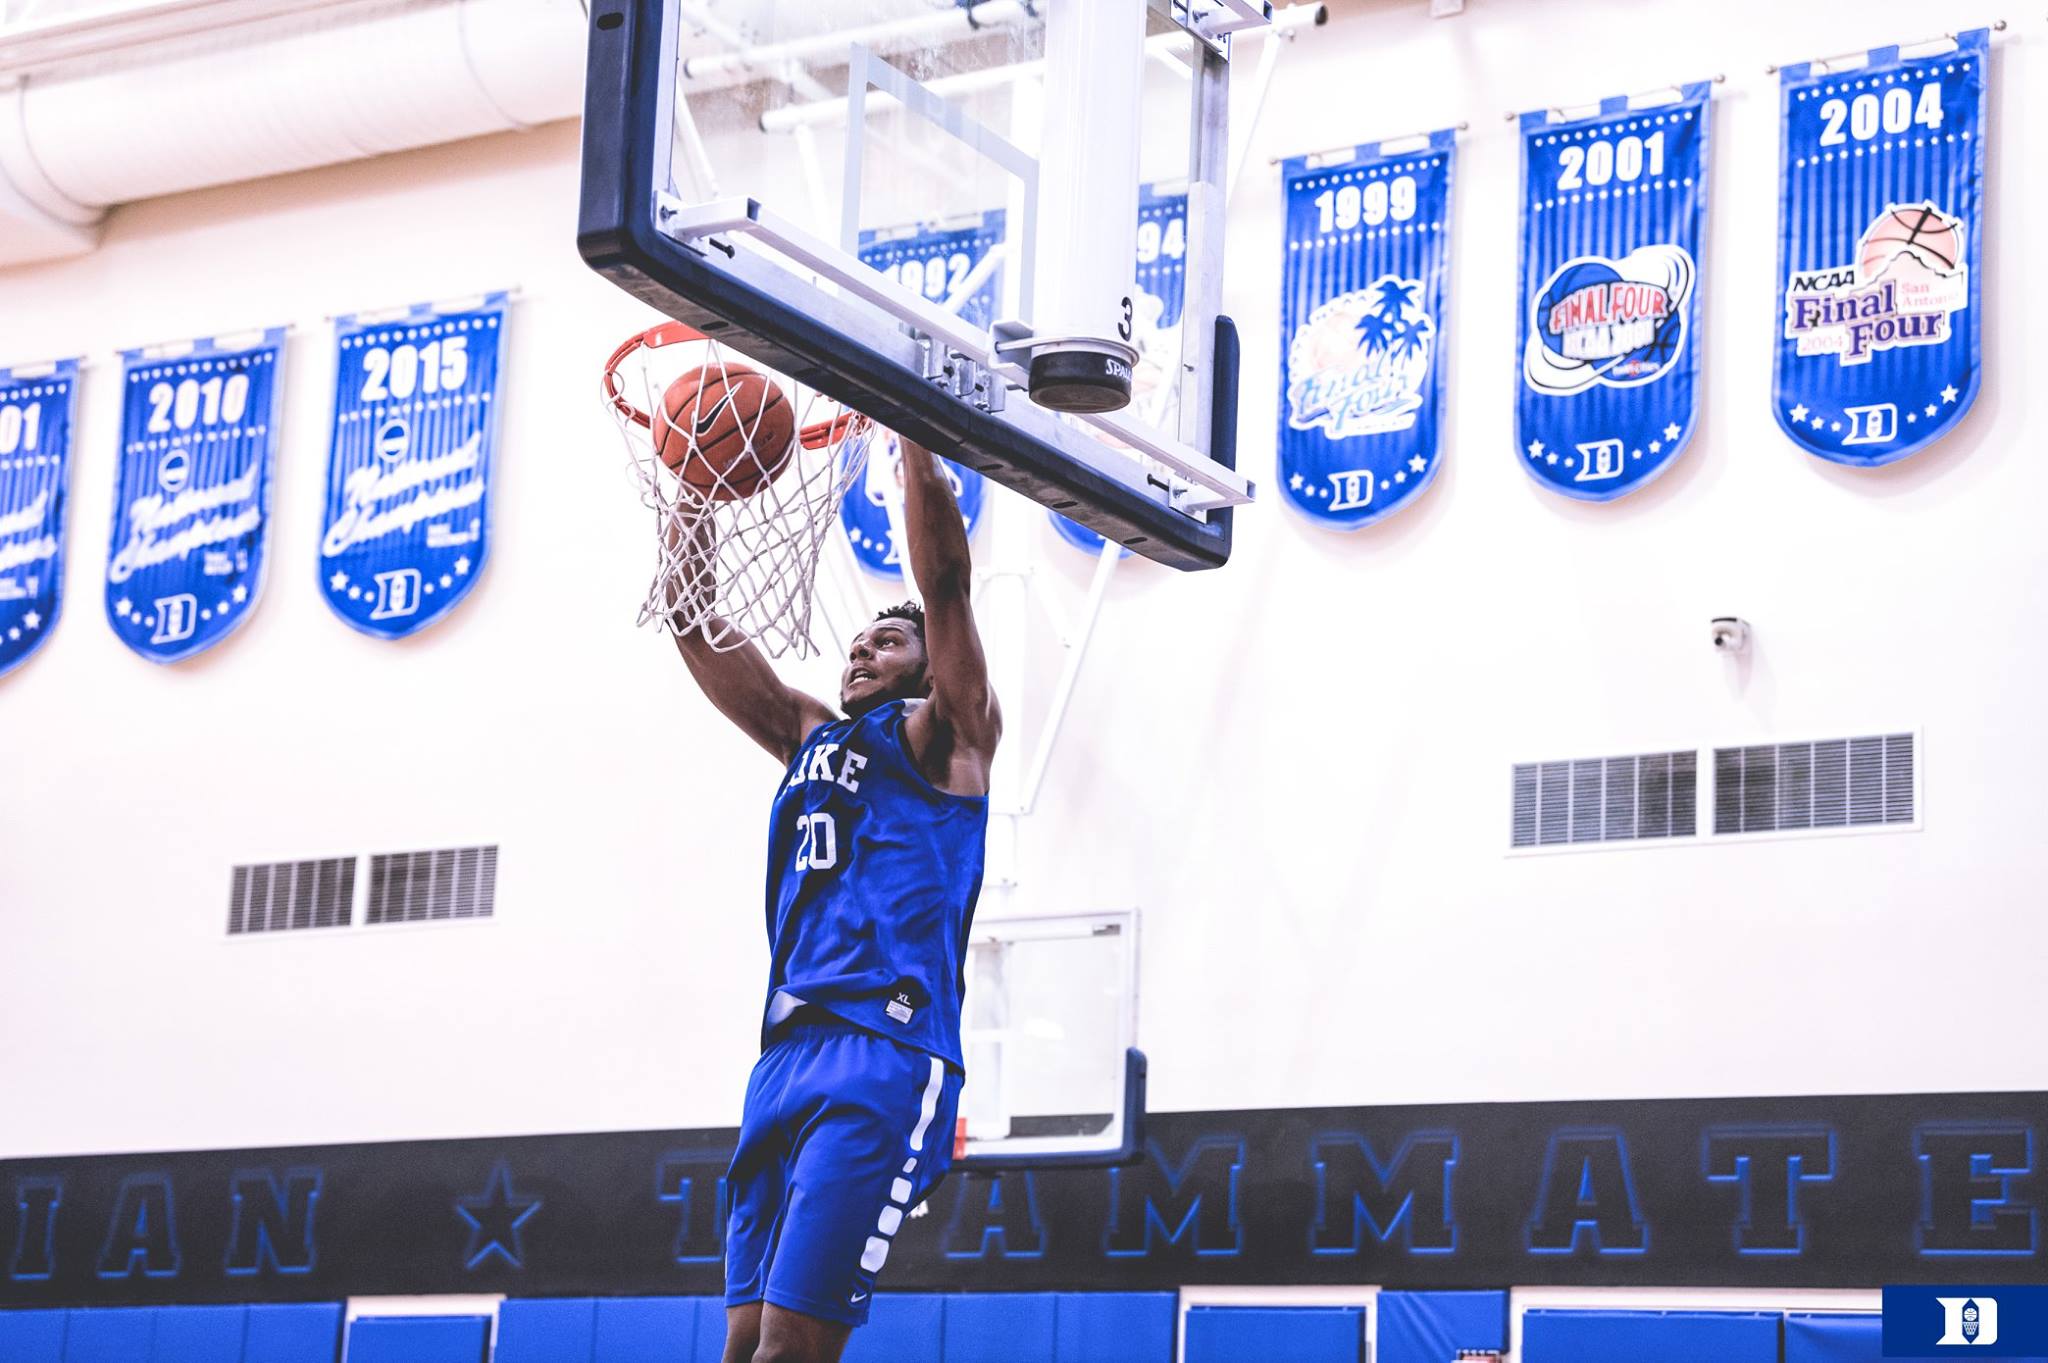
1613	218
1362	327
408	521
36	408
192	492
951	265
1880	240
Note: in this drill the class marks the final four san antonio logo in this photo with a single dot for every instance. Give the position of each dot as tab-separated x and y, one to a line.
1358	365
1909	278
1618	323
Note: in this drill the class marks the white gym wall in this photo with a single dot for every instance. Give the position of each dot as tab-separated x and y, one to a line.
1298	767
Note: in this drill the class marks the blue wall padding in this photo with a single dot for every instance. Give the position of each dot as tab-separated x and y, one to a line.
646	1330
1275	1334
1430	1327
119	1334
547	1330
1116	1327
309	1333
32	1336
1666	1336
200	1334
419	1339
1841	1337
1000	1327
903	1327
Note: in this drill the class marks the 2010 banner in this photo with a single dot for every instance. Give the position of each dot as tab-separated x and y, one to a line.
1613	219
37	404
407	524
192	492
1362	327
1161	278
952	266
1880	242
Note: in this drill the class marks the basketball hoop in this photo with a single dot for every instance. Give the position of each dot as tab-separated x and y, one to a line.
741	516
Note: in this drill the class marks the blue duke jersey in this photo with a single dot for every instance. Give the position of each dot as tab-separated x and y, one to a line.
872	876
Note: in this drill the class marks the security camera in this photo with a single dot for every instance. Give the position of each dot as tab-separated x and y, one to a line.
1730	634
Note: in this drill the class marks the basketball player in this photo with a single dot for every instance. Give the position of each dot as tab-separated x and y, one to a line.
874	862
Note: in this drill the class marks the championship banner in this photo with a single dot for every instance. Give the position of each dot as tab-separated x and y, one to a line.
1361	327
1614	211
192	493
1155	318
408	514
1880	234
36	408
939	263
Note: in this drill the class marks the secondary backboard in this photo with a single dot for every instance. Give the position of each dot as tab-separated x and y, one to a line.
1054	1076
932	114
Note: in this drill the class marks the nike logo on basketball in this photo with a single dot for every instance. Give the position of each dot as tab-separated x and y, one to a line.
705	419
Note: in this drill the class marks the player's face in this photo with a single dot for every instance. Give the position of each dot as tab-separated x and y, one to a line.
886	663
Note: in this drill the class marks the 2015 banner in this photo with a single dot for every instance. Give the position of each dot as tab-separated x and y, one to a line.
950	266
192	492
37	404
1362	326
1162	278
407	524
1613	217
1880	240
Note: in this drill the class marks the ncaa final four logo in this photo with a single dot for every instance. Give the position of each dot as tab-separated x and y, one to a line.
1909	277
1615	322
1358	364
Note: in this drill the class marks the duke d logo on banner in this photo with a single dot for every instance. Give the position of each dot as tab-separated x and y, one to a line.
1880	243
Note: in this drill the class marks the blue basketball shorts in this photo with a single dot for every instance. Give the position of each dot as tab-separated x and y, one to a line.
844	1133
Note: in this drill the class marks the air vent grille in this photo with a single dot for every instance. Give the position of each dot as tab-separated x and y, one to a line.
278	896
422	887
1606	799
1837	783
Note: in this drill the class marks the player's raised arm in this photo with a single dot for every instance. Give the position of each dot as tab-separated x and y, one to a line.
739	682
957	733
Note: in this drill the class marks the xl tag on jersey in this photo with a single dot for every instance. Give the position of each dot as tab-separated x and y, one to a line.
899	1007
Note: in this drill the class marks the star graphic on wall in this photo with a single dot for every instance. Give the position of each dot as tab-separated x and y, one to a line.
1949	393
1417	464
1836	426
462	566
123	606
1799	412
1817	423
1536	450
1932	409
14	634
1551	458
1671	432
1295	482
241	593
495	1217
32	621
1656	447
338	581
1401	476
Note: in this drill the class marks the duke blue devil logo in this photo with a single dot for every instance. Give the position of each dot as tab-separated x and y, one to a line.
1361	322
408	473
1879	251
1613	214
192	493
36	407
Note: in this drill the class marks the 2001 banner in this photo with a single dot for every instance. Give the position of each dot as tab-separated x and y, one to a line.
36	407
192	492
1362	328
1613	217
408	520
1880	236
950	266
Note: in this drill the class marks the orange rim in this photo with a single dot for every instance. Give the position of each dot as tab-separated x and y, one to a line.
817	435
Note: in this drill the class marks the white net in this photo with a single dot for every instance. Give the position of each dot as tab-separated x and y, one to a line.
744	472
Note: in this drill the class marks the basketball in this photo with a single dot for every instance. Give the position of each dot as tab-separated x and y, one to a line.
1919	230
726	430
